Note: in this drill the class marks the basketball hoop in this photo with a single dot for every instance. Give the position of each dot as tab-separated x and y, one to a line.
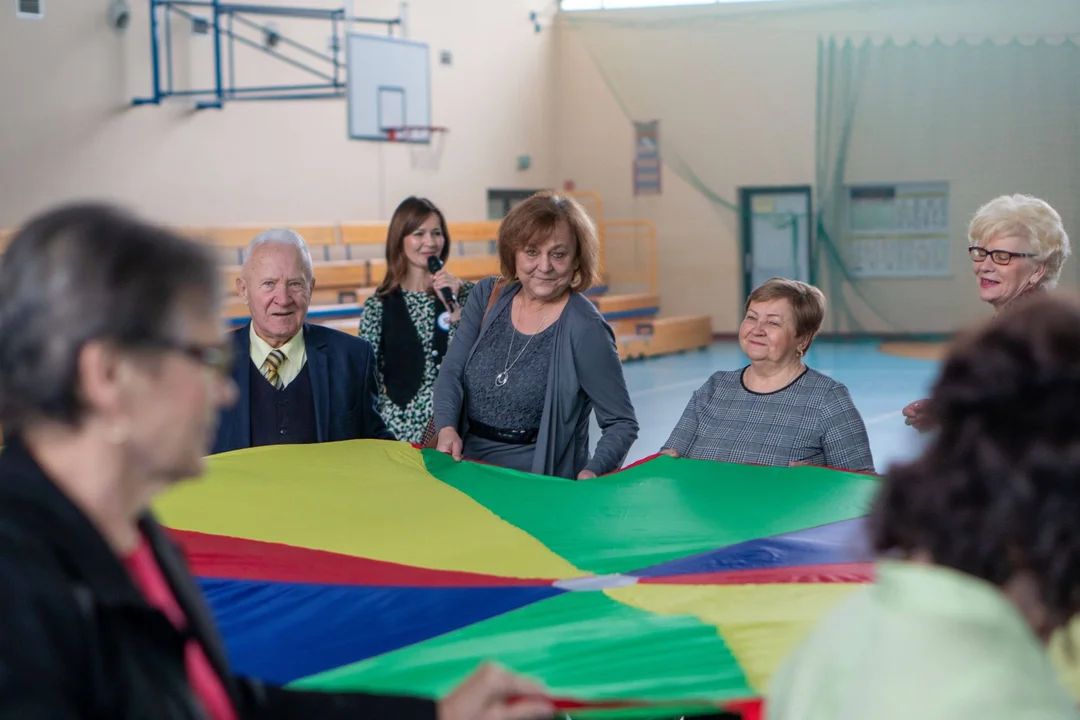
426	142
413	133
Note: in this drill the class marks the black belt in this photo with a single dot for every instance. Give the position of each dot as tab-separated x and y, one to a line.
494	434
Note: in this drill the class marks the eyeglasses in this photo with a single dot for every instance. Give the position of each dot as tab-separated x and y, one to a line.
216	357
1000	257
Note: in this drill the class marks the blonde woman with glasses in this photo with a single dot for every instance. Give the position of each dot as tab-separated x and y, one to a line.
1017	245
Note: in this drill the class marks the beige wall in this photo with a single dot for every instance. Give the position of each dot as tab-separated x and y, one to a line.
735	89
67	130
699	261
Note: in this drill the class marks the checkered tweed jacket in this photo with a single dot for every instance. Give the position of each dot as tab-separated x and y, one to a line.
812	421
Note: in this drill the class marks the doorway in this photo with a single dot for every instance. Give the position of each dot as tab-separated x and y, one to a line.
776	234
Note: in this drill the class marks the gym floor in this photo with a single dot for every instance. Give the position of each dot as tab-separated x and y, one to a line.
881	385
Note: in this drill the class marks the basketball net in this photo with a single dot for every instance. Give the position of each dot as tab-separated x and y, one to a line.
426	144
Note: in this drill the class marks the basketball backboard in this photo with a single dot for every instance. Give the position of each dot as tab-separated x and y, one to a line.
388	87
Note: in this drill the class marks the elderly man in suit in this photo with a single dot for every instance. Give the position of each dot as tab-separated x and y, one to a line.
298	383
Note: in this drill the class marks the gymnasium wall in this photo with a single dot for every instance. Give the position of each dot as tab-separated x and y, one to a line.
735	89
67	129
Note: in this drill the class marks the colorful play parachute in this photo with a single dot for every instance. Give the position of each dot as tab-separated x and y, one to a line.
672	587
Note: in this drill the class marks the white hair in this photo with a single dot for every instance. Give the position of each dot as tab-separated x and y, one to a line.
1031	219
282	236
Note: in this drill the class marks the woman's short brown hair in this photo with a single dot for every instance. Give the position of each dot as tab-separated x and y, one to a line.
807	304
533	221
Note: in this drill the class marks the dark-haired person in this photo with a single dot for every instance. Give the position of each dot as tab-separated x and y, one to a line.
407	321
533	357
114	366
1017	245
777	410
978	542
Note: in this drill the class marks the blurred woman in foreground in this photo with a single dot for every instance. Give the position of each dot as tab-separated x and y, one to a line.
113	371
979	546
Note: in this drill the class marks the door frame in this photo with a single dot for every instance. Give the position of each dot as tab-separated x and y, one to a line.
746	199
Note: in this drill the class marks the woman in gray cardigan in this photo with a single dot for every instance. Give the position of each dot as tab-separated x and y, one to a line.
533	357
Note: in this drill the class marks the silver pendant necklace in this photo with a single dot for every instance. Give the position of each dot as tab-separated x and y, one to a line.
502	378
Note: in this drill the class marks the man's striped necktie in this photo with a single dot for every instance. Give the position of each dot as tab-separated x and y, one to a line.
270	367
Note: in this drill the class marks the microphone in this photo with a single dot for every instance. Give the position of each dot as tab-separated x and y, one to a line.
434	264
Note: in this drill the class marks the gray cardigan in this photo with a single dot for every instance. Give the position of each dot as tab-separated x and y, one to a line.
585	374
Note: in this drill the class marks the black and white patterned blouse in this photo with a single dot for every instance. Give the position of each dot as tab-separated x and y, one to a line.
812	420
408	423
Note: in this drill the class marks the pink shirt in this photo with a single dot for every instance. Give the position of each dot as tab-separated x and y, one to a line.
204	681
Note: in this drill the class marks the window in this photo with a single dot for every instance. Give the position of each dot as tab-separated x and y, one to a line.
29	9
500	202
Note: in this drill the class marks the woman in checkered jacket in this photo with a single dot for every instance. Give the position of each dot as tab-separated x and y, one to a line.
775	411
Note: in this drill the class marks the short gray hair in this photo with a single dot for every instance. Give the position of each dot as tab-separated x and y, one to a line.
282	236
89	272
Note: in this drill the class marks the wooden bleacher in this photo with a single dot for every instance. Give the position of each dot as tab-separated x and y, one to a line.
336	282
640	329
665	336
625	312
235	238
344	282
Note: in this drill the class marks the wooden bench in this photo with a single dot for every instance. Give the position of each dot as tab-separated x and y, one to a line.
350	326
627	303
665	336
369	234
466	232
343	313
363	235
335	282
625	312
236	309
237	237
376	271
473	267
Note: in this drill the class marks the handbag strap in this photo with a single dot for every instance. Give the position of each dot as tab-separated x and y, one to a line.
495	290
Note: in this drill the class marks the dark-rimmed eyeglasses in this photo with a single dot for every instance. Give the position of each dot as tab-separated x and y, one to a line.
1000	257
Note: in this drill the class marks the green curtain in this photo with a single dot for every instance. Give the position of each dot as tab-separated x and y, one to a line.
840	69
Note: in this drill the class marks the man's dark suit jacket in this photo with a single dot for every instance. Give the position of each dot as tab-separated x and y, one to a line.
342	369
